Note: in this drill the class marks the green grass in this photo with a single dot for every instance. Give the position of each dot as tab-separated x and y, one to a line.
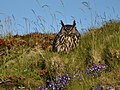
28	67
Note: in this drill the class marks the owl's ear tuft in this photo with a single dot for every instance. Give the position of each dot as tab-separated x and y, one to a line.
62	23
74	23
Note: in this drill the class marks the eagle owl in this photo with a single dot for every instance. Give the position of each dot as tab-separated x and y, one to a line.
67	39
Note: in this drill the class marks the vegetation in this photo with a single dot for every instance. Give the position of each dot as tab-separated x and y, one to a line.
28	62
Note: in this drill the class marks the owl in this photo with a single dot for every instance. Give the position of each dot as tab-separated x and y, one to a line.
67	39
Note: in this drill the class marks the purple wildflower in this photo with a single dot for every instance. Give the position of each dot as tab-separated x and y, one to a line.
101	66
98	69
95	69
111	88
50	85
59	77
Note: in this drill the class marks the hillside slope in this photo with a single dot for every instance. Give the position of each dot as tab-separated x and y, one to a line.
27	62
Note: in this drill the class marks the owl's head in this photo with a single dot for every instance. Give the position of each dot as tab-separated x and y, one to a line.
68	28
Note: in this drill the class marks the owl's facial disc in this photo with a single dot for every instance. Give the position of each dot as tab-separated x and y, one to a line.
68	28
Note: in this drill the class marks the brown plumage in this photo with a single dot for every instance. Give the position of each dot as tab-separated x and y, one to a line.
67	39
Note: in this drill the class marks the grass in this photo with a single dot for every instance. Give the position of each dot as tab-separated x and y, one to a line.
27	62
